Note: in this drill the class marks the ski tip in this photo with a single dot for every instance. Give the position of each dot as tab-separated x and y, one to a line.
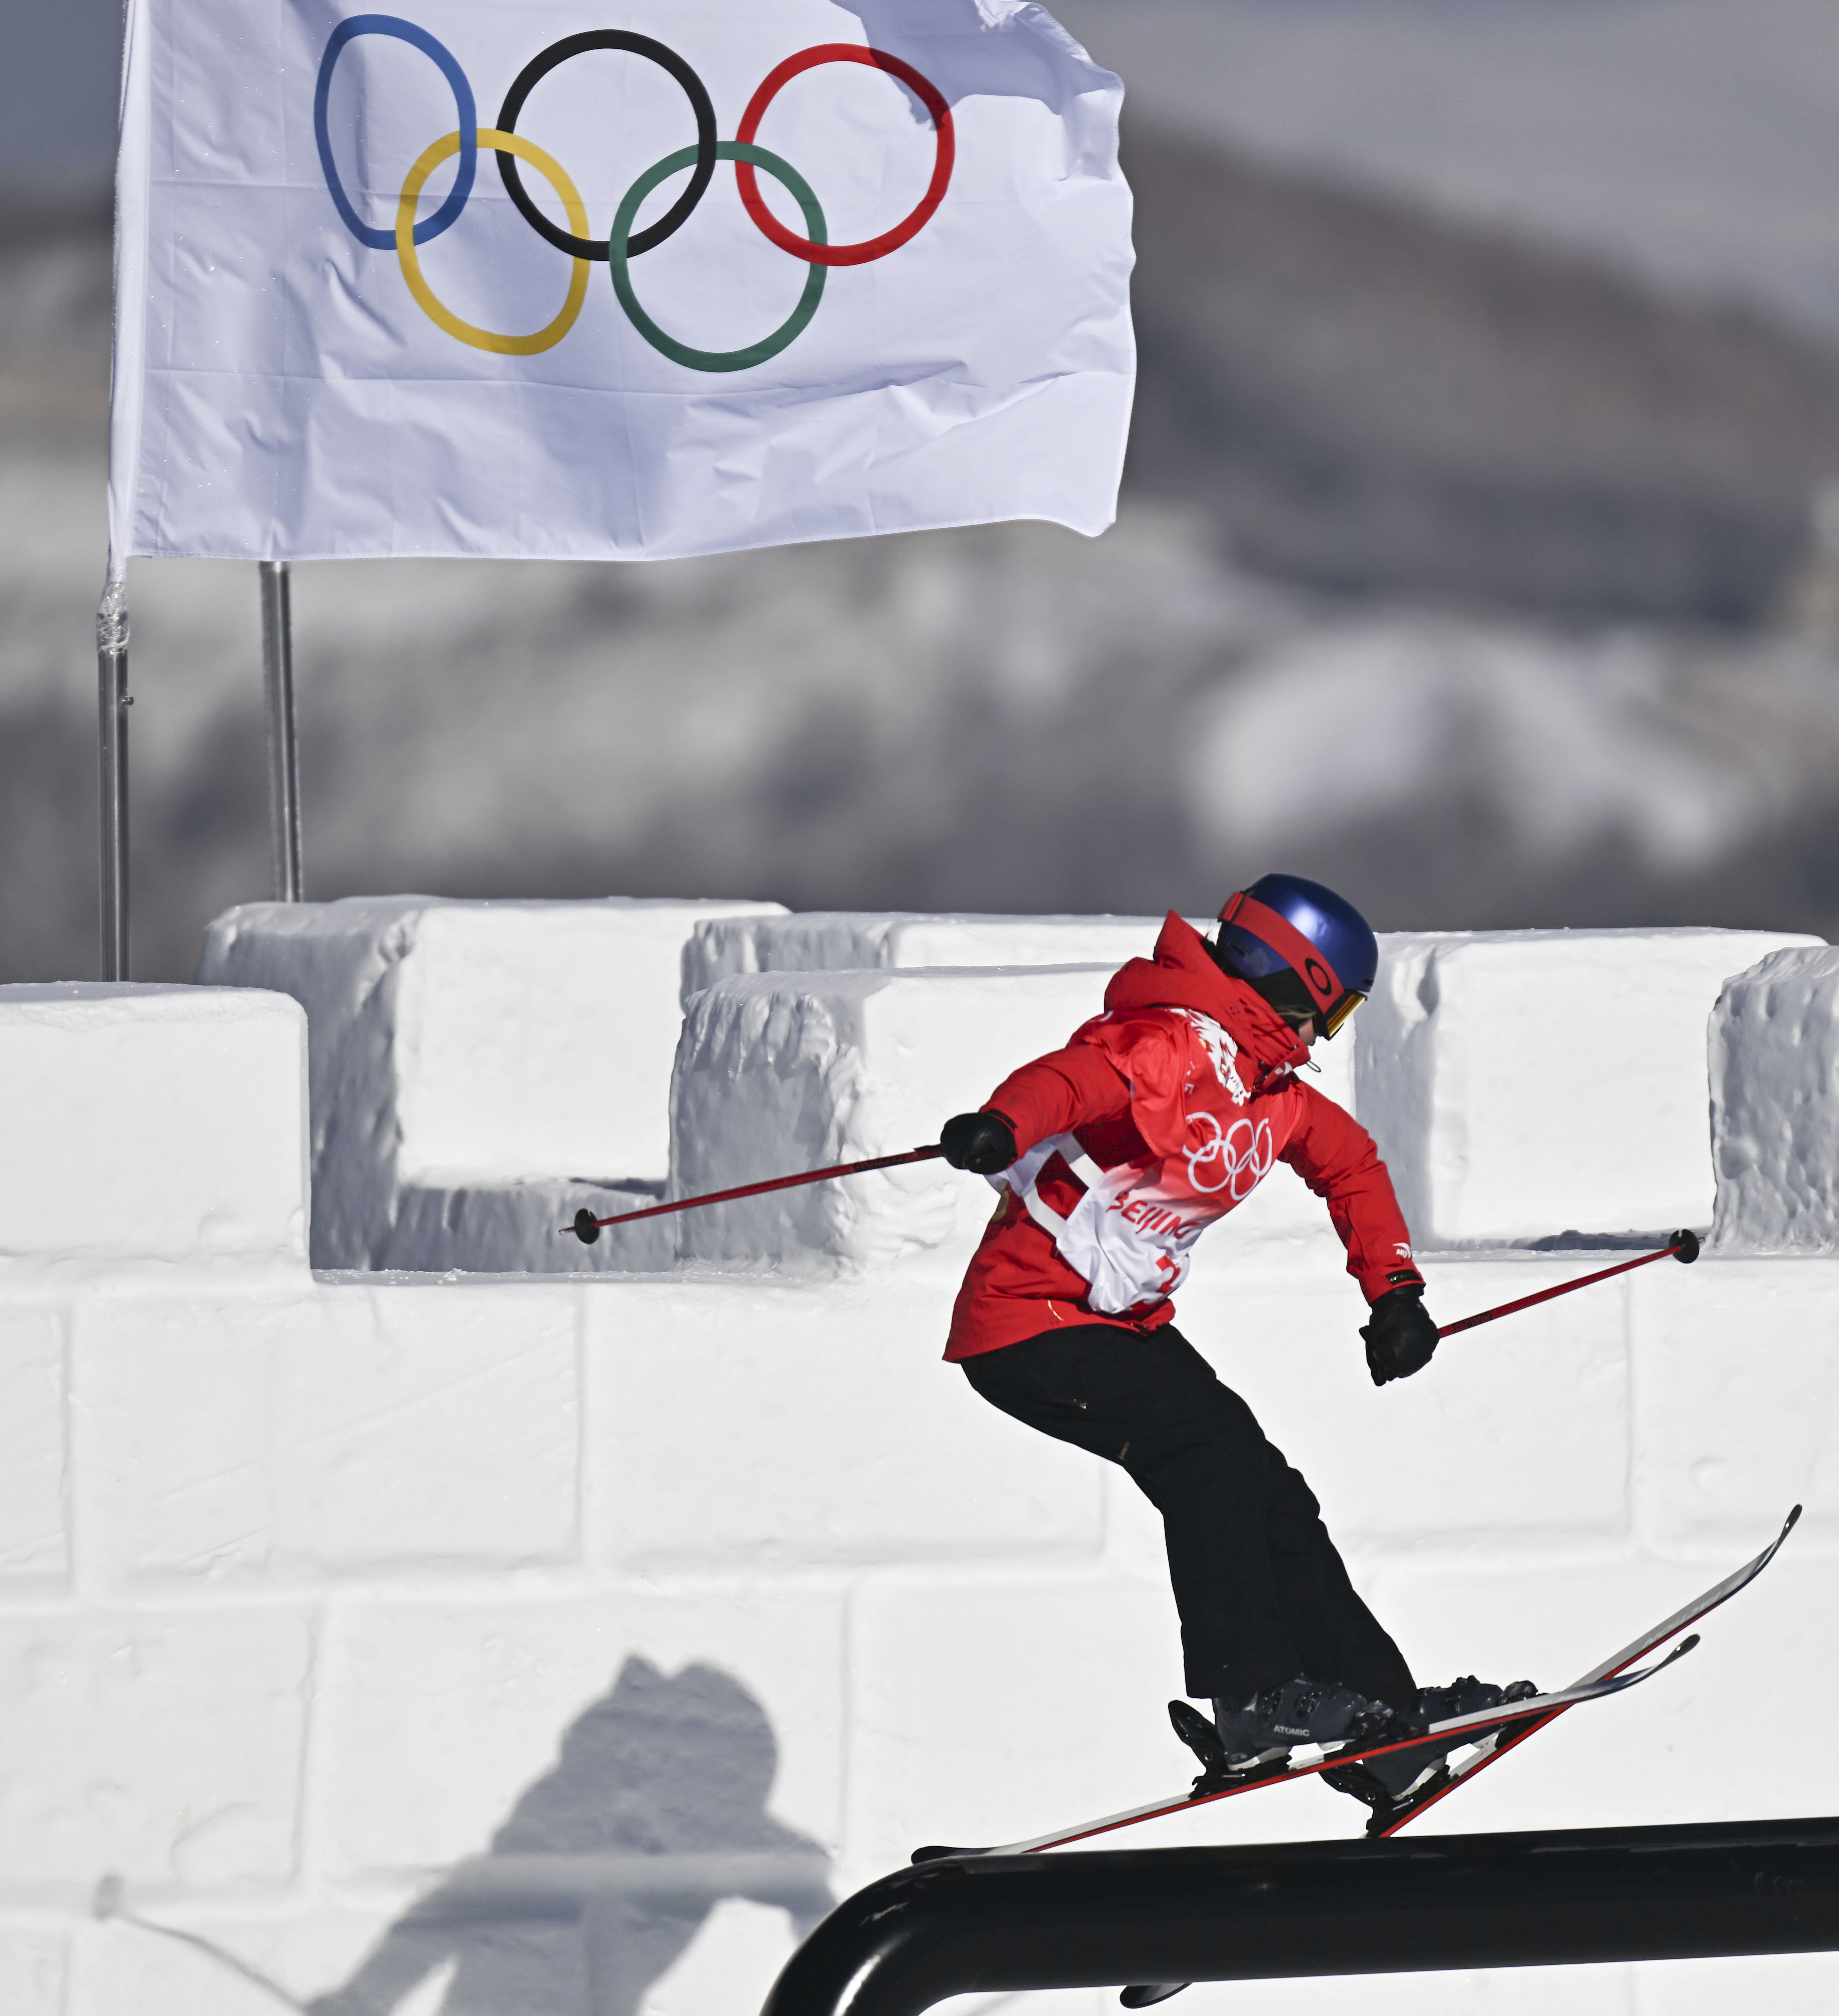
1685	1246
1792	1521
584	1227
1686	1644
943	1854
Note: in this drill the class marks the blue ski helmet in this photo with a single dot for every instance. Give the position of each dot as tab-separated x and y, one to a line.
1306	950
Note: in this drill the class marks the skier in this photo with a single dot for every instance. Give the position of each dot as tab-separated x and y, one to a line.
1113	1155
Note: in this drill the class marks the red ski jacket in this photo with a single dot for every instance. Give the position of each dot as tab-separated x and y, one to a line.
1157	1119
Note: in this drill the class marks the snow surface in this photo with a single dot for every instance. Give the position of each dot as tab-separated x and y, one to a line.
476	1066
1526	1084
360	1627
151	1125
1775	1105
811	941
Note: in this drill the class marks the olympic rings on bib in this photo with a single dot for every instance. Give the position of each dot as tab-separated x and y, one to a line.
944	153
538	67
788	330
622	244
437	311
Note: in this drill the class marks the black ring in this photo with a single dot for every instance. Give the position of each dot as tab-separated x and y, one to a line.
538	67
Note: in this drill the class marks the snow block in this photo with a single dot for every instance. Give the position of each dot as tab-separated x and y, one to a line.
35	1523
152	1124
1736	1363
34	1967
490	1058
165	1748
829	940
732	1441
1066	1720
640	1720
526	1227
1775	1106
781	1072
1528	1419
1522	1085
1784	1984
562	1945
414	1429
120	1969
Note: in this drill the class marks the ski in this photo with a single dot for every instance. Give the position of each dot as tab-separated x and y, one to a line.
1452	1777
1499	1730
1281	1767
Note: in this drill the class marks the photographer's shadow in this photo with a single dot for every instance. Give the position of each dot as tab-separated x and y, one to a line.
606	1867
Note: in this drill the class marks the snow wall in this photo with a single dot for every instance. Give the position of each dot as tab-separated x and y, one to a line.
556	1647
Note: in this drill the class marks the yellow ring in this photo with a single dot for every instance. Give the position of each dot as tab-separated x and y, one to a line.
436	311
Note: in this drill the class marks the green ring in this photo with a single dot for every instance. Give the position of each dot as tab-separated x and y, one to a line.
680	353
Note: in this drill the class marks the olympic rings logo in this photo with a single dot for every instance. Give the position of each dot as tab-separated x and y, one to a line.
622	244
1244	1154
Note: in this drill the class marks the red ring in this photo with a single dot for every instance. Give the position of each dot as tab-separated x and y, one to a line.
868	248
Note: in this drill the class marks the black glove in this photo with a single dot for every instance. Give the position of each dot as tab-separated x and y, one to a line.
1401	1337
982	1143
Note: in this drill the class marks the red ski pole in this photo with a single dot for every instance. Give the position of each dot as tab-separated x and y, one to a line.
1683	1247
586	1227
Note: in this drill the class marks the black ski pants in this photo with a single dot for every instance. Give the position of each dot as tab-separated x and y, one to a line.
1262	1594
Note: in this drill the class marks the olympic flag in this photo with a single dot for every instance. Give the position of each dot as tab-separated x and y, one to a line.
562	280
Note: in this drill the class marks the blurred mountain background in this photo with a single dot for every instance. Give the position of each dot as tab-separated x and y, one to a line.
1479	551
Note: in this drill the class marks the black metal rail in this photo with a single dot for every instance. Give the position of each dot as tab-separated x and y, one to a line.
997	1923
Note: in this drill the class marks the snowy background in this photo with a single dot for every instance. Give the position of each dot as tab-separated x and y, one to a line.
1469	556
438	1644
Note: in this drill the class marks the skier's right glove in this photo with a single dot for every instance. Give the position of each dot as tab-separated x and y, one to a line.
1402	1337
983	1142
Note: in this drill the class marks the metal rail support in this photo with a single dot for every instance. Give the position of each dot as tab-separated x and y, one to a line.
284	786
113	700
996	1925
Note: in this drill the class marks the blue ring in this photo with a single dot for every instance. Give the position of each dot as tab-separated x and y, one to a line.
406	31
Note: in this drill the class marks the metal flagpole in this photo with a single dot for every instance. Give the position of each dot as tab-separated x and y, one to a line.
284	786
113	700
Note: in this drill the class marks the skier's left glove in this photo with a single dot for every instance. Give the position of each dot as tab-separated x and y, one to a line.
1402	1337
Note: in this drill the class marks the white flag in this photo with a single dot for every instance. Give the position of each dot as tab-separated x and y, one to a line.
542	278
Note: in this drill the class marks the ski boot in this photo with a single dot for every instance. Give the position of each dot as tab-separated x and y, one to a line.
1300	1710
1242	1744
1399	1781
1268	1727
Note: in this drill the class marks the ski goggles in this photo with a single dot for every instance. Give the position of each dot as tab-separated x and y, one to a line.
1332	1018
